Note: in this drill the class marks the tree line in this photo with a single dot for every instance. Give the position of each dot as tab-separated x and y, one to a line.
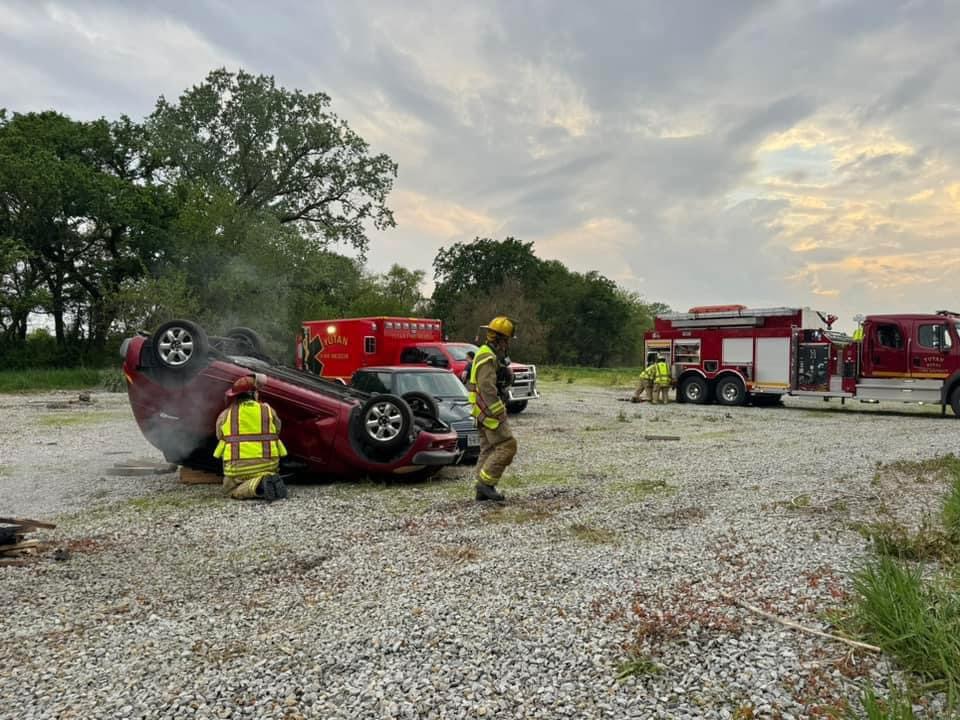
228	206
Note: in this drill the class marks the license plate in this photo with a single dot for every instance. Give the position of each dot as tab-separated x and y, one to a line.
473	439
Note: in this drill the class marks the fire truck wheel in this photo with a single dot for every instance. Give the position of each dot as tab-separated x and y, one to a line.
730	391
180	346
422	405
694	390
384	422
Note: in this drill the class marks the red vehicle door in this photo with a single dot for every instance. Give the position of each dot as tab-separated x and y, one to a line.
932	349
885	348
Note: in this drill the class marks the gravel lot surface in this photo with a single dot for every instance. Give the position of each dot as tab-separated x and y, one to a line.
598	591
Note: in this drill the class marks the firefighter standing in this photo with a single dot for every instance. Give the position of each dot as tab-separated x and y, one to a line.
661	380
497	444
250	445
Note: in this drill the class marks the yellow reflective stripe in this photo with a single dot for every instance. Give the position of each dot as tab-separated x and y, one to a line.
484	475
491	423
497	408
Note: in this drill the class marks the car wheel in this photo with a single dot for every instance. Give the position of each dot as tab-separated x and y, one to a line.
730	391
517	406
384	422
694	390
180	346
422	405
247	341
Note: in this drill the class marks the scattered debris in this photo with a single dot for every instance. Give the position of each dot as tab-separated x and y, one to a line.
798	626
661	437
13	545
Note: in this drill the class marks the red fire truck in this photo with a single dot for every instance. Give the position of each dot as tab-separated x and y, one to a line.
337	348
732	354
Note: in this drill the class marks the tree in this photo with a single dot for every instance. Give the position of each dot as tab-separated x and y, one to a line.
278	151
475	268
71	196
396	292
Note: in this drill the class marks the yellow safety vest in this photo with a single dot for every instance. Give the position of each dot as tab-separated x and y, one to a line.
249	433
661	373
478	407
858	333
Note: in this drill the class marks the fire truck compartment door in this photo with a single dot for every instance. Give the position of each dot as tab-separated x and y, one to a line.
773	362
737	351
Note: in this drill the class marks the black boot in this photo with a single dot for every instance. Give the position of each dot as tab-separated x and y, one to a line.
273	488
488	492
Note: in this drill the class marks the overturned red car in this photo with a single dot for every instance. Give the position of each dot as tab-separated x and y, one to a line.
177	377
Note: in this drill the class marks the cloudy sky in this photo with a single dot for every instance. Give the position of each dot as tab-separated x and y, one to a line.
766	153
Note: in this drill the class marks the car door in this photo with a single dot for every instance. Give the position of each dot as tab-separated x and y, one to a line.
886	354
930	349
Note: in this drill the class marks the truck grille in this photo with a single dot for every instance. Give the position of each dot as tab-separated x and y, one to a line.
464	426
524	384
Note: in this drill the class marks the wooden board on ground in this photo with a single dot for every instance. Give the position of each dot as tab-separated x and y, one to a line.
26	523
26	544
189	476
140	468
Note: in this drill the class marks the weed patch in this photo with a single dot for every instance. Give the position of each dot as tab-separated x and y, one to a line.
636	664
593	535
13	381
173	501
71	420
891	539
641	490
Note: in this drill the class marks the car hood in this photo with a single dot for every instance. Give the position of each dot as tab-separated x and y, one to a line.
451	411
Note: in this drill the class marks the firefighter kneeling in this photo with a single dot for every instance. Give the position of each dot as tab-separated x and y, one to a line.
497	444
250	445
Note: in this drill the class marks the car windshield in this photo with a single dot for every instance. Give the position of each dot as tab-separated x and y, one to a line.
435	384
459	352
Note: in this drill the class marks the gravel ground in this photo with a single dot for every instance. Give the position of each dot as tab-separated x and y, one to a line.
600	590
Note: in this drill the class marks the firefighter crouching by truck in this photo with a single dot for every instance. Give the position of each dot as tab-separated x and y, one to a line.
250	445
497	444
661	380
646	380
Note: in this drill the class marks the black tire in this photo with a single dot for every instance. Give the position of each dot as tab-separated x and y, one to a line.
517	406
766	400
694	389
955	401
422	405
384	422
730	391
246	340
180	346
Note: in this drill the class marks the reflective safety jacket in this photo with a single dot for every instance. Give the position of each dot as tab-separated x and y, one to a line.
485	404
661	373
858	333
249	434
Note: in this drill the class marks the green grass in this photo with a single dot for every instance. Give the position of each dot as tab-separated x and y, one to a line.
74	420
636	665
951	511
14	381
916	621
895	707
601	377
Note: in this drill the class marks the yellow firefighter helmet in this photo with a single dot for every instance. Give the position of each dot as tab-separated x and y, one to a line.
501	325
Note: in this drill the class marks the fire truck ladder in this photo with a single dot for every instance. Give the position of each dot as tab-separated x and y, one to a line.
747	317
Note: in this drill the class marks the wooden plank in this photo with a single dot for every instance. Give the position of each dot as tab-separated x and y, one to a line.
661	437
24	522
190	476
19	546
